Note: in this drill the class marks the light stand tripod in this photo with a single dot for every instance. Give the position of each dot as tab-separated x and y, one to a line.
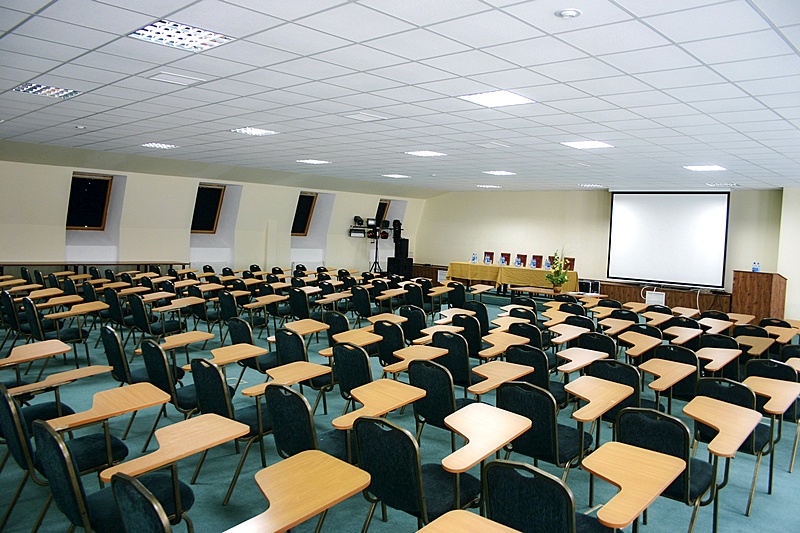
375	266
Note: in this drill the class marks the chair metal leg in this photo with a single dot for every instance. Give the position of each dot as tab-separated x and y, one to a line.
794	448
198	467
14	500
753	484
162	411
128	427
238	471
371	511
321	519
42	513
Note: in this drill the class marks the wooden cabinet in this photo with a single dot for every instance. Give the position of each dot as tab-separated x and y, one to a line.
762	294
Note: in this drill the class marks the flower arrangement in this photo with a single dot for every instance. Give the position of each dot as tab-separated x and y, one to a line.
558	270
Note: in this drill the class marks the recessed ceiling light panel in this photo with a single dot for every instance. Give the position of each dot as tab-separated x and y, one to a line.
497	99
593	186
397	176
704	168
499	173
425	153
728	185
587	145
313	161
254	131
181	36
175	79
46	90
489	186
365	117
160	146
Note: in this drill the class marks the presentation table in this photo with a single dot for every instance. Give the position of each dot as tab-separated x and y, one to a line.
507	275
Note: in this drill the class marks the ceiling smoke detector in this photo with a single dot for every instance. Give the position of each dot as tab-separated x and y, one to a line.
570	13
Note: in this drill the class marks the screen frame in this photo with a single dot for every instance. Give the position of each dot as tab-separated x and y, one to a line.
96	177
219	207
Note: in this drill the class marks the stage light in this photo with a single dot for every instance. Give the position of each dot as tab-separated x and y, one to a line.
384	234
372	223
358	221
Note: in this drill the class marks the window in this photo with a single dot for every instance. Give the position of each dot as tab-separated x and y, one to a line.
207	206
88	202
303	213
380	215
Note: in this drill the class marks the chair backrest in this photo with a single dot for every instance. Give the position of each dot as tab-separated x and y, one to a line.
526	498
115	355
537	404
656	308
126	277
599	342
712	313
769	368
772	321
580	321
716	340
527	301
610	302
292	420
524	312
69	287
277	270
390	455
788	351
624	314
361	303
10	310
290	347
52	281
565	298
338	322
730	391
660	432
749	330
15	431
158	369
618	372
140	318
147	282
155	269
472	332
109	274
327	287
89	293
426	285
573	308
212	391
200	311
529	331
59	469
439	400
227	306
391	341
456	360
39	278
480	313
26	274
255	268
227	271
458	295
240	331
350	367
531	356
413	295
140	510
32	314
685	388
680	321
348	282
416	321
247	274
298	303
208	268
114	307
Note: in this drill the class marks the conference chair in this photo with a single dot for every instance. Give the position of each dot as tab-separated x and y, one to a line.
536	357
139	509
350	369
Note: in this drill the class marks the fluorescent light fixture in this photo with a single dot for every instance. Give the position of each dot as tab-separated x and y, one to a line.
398	176
729	185
254	131
313	161
160	146
493	144
46	90
587	145
425	153
175	79
489	186
181	36
499	173
593	186
497	99
365	117
704	168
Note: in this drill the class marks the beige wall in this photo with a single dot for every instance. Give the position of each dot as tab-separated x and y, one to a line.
789	251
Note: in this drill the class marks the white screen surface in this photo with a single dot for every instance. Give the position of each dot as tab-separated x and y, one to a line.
675	238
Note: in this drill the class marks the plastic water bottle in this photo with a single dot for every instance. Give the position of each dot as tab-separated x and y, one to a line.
756	266
517	262
474	257
502	261
533	262
487	260
547	264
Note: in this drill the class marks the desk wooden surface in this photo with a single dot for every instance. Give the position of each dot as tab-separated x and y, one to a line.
179	440
359	337
654	318
601	312
448	314
566	333
639	342
500	342
334	297
140	289
668	372
480	288
45	293
641	475
12	282
68	299
755	345
33	351
306	326
714	325
717	357
497	373
61	378
79	309
461	520
378	398
263	301
179	340
155	296
733	423
600	394
428	332
208	287
295	372
503	322
390	293
555	317
636	307
179	303
781	335
681	334
388	317
486	428
739	318
578	358
613	326
417	352
115	285
301	487
688	312
23	288
782	394
113	402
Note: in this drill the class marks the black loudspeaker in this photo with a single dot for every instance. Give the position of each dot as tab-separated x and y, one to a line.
401	248
400	266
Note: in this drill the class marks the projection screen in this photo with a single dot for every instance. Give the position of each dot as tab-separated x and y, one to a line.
669	238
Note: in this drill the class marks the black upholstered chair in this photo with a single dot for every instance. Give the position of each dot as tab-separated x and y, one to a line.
158	329
351	369
391	341
539	360
416	320
456	360
139	509
70	335
290	347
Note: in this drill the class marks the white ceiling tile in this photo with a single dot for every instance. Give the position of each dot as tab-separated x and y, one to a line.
793	34
417	44
739	47
542	14
206	66
423	12
550	93
64	33
646	98
412	73
512	79
537	51
408	94
613	85
582	104
682	77
643	8
727	105
706	92
709	21
270	78
311	68
250	53
778	101
298	39
577	69
222	17
738	117
780	12
486	29
360	57
651	59
361	81
771	86
754	69
468	63
10	18
288	10
112	19
613	38
322	90
355	22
